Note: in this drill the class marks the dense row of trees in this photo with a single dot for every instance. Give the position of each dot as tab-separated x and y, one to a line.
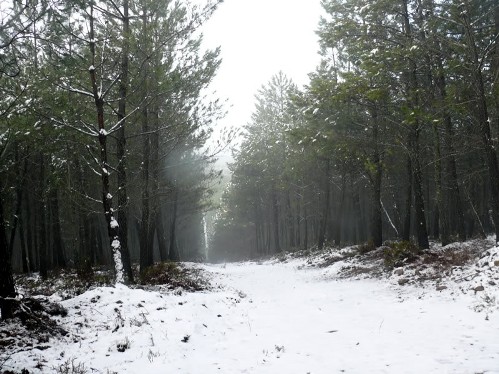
103	130
394	137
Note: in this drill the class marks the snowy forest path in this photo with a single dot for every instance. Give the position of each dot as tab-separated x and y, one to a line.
296	321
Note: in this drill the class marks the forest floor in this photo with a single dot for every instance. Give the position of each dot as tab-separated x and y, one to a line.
333	311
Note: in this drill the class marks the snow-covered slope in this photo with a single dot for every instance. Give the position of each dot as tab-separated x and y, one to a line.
275	318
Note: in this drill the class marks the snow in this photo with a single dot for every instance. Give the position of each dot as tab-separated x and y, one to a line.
118	263
113	223
278	317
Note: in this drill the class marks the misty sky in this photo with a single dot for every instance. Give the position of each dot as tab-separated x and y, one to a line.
258	39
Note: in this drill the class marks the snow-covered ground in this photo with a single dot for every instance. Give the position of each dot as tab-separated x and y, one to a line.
274	318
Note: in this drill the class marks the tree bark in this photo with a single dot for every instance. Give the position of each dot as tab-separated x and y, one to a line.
421	230
376	179
122	213
58	257
275	219
325	213
19	198
41	213
414	134
107	203
483	117
406	232
442	223
173	252
7	289
339	220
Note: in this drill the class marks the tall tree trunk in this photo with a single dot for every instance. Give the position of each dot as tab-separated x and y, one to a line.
30	248
495	68
107	202
146	253
57	245
275	219
84	257
26	263
454	194
160	234
442	223
290	221
325	213
406	232
173	252
358	226
376	179
305	229
483	117
257	228
7	289
122	214
339	220
41	213
421	230
19	198
450	187
414	134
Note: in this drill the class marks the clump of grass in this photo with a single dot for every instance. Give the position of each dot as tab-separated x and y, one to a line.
366	247
399	253
70	366
174	275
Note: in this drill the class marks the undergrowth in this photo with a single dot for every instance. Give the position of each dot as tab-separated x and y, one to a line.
174	275
399	253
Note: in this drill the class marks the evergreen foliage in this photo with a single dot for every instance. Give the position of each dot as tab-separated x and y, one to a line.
103	128
394	137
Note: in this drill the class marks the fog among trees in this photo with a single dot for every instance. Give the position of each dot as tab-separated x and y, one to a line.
393	138
104	123
107	122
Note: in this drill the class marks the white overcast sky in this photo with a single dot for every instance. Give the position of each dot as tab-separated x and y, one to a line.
258	39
